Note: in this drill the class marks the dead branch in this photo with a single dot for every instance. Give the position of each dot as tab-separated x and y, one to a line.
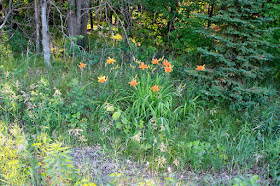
7	14
125	32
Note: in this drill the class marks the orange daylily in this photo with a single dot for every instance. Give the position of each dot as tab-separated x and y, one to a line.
155	61
201	68
133	82
110	60
168	68
143	66
82	65
155	88
102	79
166	63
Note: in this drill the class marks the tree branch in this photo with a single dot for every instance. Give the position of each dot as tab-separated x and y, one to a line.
8	14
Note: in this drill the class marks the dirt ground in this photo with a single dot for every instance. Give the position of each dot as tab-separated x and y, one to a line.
107	168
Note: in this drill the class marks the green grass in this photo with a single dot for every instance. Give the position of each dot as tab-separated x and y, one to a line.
174	127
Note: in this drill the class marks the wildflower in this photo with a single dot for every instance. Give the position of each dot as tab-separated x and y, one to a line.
82	65
143	66
169	170
176	162
168	68
161	161
147	164
162	147
57	92
155	88
82	138
201	68
155	61
155	141
133	82
75	132
137	137
102	79
166	63
110	60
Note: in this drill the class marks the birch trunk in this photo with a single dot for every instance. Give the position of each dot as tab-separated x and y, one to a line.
72	19
45	34
37	22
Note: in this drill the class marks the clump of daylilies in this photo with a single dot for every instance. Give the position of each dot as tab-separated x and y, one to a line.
134	82
166	65
163	63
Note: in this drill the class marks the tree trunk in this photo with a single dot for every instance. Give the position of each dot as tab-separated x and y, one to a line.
79	13
45	34
172	16
84	22
78	19
91	18
210	13
37	23
72	19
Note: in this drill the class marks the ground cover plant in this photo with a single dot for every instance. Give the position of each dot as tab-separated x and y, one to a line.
139	93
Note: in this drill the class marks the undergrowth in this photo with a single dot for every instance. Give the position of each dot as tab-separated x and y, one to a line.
144	113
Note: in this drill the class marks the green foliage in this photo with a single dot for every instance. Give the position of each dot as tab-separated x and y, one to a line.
17	43
273	156
185	125
4	49
58	164
272	10
243	181
148	103
42	107
202	154
238	62
171	127
13	155
184	39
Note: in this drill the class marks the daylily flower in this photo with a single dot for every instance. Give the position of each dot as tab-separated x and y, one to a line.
168	69
110	60
155	61
82	65
166	63
133	82
155	88
102	79
143	66
201	68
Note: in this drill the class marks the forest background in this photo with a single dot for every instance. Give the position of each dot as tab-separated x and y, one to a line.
174	85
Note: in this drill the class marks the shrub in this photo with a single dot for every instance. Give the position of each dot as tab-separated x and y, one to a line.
237	63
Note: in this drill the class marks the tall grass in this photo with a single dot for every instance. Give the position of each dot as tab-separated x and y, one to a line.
170	127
